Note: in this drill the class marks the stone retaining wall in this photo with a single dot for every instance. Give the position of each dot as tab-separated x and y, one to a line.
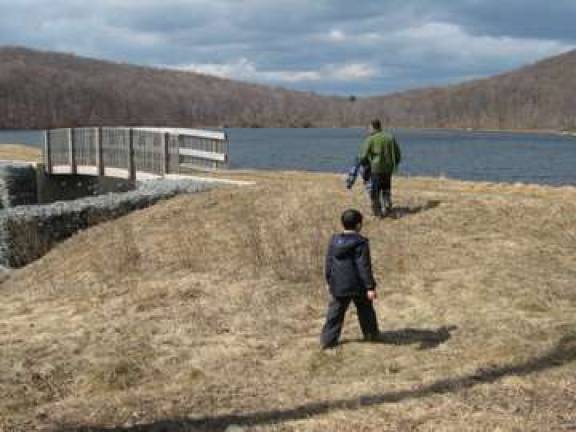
28	231
17	184
65	187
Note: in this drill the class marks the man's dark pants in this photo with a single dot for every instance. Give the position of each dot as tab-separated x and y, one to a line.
380	193
335	319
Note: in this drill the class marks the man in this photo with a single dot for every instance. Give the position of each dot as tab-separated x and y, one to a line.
381	152
349	277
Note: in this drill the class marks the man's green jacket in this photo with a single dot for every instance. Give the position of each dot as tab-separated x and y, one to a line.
382	151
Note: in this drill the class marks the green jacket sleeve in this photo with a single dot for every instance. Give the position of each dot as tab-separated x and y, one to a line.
397	153
364	150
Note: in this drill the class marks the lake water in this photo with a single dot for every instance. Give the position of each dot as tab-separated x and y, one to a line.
486	156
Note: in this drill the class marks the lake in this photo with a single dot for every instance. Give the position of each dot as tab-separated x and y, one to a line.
468	155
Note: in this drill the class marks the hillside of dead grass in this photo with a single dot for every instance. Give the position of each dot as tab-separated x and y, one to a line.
19	152
204	312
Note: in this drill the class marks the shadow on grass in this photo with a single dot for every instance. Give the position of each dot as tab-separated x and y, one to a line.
427	339
400	212
562	354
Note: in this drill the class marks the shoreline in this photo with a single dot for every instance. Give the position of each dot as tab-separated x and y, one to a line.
26	153
462	129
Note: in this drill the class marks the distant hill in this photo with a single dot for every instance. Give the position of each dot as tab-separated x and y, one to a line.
539	96
44	89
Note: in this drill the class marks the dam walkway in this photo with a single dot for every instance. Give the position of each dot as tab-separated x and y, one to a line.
133	153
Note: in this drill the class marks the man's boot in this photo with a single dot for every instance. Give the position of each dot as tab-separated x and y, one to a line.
386	204
377	209
375	193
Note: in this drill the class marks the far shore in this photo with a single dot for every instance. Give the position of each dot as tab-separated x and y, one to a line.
20	152
447	129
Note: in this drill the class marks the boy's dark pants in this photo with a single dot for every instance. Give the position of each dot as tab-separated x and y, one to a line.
380	193
335	319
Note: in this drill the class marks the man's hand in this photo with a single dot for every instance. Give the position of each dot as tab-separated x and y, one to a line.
349	182
371	295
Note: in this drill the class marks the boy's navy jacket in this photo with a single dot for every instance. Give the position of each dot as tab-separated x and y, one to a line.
348	265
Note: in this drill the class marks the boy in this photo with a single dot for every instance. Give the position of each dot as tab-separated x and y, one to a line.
349	277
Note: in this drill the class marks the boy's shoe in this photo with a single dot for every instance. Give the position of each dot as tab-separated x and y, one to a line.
329	347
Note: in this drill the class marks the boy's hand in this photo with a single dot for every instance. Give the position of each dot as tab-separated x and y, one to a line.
371	295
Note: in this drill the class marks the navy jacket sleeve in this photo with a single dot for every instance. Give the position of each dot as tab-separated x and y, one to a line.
328	264
364	266
352	174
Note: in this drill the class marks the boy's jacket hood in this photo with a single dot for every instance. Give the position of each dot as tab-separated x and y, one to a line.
344	244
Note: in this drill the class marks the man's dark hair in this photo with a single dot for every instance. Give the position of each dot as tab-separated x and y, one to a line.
376	125
351	218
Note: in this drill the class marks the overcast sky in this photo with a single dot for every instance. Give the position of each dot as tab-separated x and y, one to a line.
360	47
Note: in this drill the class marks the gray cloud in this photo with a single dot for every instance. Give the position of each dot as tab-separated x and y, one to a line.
552	20
329	46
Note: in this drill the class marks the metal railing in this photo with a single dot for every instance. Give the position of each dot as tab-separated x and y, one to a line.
133	152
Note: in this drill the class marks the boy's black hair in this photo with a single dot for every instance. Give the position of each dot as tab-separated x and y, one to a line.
376	125
350	219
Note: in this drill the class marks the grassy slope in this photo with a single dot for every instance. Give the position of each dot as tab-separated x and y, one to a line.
19	152
205	310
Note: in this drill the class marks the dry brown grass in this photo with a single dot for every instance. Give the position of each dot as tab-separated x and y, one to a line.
19	152
204	311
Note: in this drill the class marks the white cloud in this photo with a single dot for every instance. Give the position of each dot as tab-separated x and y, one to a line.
355	71
336	36
243	69
452	41
331	46
340	36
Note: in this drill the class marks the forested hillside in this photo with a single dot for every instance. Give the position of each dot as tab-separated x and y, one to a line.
539	96
43	89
